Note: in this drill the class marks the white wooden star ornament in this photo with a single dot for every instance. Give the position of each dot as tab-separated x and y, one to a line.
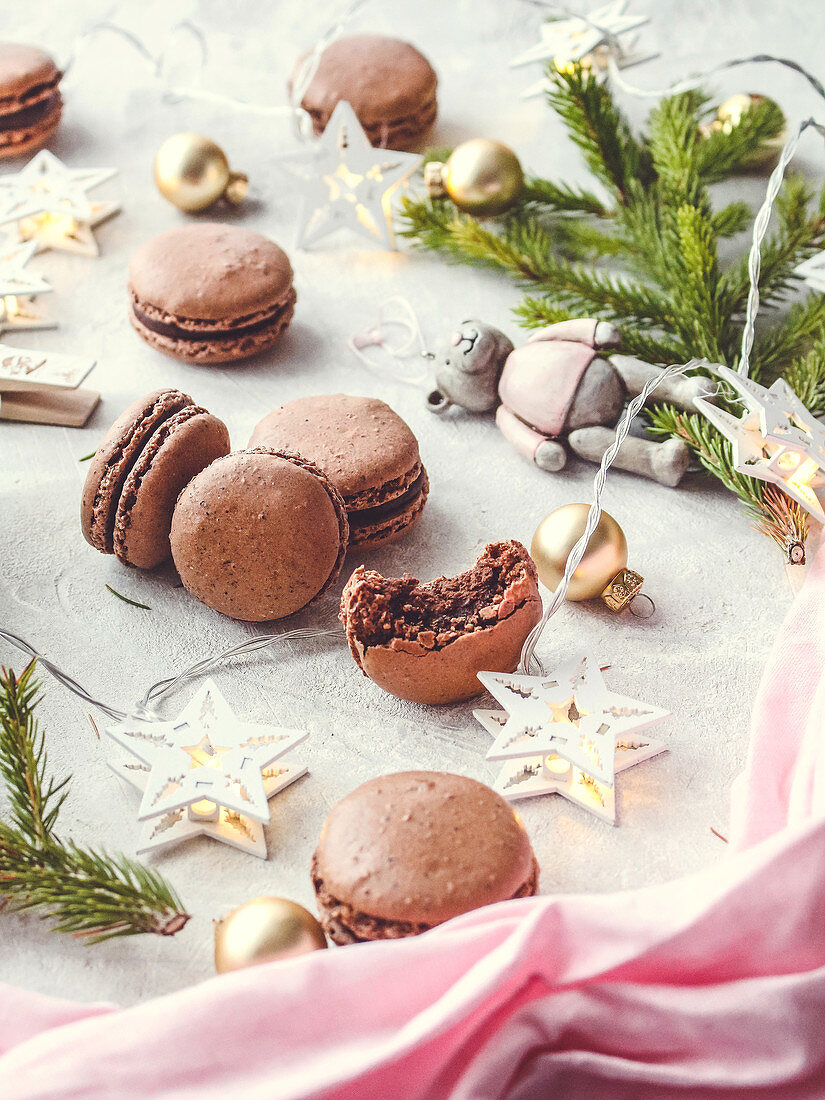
19	287
346	182
601	57
205	773
48	204
566	733
776	440
566	40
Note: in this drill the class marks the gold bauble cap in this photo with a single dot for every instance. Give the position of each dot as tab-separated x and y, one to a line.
264	930
556	536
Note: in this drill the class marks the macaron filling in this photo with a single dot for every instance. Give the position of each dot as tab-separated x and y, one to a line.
191	329
345	924
27	116
401	614
366	517
121	461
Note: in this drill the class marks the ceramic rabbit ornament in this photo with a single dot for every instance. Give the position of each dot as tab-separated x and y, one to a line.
559	390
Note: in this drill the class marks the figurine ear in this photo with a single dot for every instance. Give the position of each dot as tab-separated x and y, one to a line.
582	330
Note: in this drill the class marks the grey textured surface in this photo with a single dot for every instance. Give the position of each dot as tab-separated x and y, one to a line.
720	587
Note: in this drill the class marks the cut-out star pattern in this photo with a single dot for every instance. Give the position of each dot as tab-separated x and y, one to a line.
561	734
206	773
346	183
776	439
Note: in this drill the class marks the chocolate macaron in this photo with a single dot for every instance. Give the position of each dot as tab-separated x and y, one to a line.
389	84
259	534
210	293
152	450
366	450
30	101
406	852
427	643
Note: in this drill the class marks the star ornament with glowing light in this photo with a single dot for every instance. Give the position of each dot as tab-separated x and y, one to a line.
565	733
205	773
346	182
776	440
566	40
18	287
48	204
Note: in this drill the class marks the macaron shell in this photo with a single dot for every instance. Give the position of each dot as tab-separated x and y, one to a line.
359	442
26	73
390	85
258	535
423	847
114	458
184	445
210	272
208	351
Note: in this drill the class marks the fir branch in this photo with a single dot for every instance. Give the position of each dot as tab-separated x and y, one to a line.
86	892
725	149
786	341
806	376
561	197
731	219
34	801
596	125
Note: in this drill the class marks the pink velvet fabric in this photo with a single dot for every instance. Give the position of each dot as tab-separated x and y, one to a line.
710	986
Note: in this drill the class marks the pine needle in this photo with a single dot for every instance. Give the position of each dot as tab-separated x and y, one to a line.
134	603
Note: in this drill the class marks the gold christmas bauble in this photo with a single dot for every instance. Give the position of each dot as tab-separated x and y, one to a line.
483	177
192	172
263	930
730	114
556	536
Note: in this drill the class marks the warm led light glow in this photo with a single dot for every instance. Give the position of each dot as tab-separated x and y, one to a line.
788	460
556	764
9	307
64	224
205	810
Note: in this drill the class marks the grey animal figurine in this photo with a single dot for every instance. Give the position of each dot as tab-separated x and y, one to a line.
559	390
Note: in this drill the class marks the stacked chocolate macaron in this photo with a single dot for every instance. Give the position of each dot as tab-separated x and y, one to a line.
259	534
157	445
210	293
406	852
30	101
389	84
366	450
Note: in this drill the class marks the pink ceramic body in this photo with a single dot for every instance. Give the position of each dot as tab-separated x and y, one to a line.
539	382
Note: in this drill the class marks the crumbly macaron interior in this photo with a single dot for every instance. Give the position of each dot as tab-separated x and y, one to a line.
378	609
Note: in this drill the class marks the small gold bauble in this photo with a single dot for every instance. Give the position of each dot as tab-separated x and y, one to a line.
483	177
263	930
192	172
556	536
728	117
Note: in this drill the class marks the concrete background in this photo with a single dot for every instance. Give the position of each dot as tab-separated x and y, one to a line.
719	586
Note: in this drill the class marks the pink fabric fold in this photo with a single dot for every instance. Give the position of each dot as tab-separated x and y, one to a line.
710	986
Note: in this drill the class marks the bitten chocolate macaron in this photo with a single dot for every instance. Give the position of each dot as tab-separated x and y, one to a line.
151	451
406	852
259	534
366	450
427	643
30	101
210	293
389	84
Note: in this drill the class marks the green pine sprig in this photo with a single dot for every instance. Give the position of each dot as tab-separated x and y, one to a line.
642	250
86	893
